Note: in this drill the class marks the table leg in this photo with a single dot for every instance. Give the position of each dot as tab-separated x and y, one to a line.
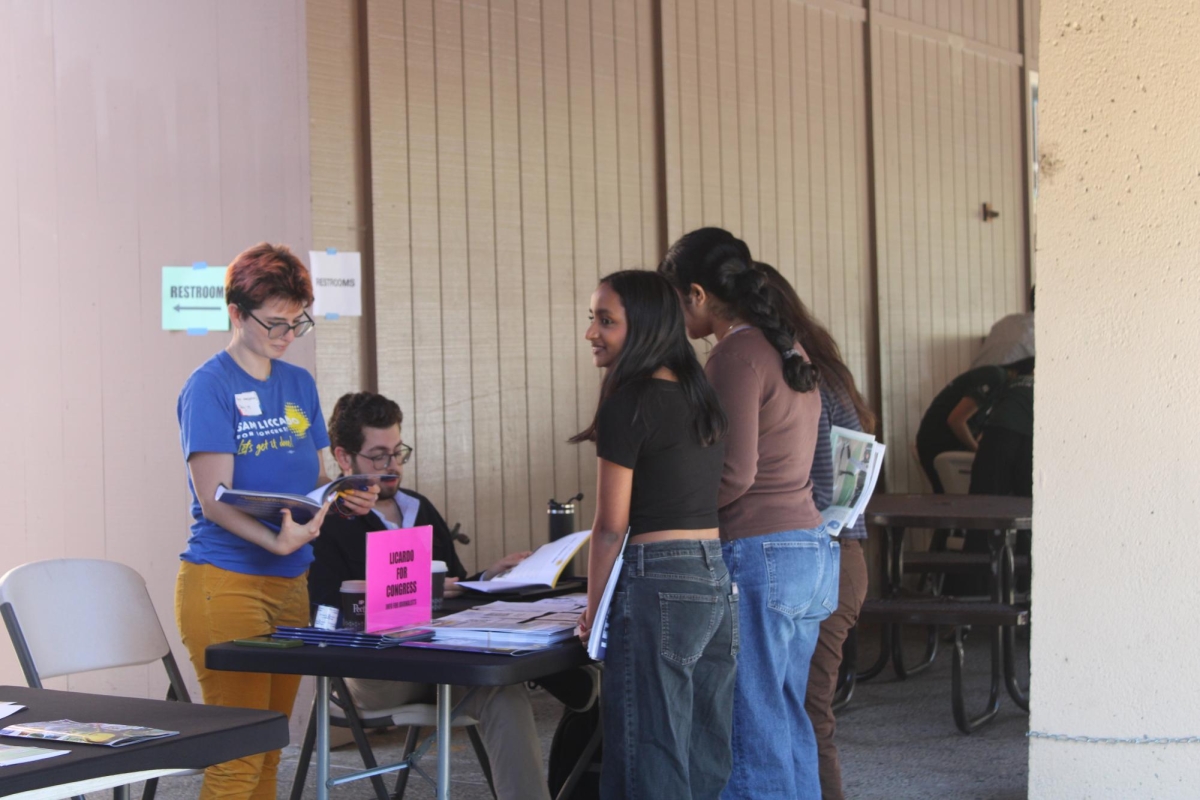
321	705
443	741
892	566
1008	577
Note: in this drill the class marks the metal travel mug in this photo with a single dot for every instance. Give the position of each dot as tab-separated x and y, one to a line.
562	522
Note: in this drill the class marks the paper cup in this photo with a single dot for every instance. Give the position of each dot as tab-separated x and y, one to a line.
354	605
438	584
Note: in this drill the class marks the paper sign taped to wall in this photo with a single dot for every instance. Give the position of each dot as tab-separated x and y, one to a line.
337	283
193	299
399	578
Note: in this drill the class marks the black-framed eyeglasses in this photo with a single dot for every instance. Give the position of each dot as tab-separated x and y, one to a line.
280	329
384	461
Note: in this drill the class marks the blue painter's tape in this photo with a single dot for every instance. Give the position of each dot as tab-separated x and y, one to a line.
197	331
199	265
331	251
331	316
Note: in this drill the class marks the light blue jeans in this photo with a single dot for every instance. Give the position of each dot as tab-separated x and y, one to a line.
787	583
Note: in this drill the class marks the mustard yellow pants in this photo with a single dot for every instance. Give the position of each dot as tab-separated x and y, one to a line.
214	605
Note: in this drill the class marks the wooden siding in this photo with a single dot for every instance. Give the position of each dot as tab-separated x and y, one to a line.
341	203
512	152
947	138
766	135
118	157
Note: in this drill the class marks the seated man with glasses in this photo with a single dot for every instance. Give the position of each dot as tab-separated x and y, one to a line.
364	433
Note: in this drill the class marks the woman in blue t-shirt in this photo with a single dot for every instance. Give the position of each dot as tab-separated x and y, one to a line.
251	421
672	632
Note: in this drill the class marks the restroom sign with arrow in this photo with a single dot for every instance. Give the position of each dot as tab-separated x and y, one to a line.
194	299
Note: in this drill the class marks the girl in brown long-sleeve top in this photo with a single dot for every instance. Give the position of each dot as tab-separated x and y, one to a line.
784	563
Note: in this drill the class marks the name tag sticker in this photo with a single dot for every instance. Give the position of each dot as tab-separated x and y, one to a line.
247	404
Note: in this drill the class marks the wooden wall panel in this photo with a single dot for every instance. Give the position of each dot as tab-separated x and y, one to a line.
524	172
947	129
340	202
117	158
994	22
765	135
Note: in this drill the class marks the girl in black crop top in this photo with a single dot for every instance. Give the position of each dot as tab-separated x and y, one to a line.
671	647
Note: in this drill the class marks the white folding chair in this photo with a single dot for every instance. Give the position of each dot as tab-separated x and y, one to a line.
954	470
55	634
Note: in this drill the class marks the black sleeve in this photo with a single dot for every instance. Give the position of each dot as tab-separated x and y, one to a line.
332	563
443	542
619	437
983	385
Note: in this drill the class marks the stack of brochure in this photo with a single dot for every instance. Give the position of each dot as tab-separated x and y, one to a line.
348	638
857	460
511	628
68	730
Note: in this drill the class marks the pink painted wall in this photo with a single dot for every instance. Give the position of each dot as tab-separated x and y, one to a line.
133	135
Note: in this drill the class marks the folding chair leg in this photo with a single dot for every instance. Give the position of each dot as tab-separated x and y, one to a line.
306	751
583	763
410	744
481	754
150	790
360	738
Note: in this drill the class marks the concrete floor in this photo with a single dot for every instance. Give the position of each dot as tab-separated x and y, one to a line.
897	740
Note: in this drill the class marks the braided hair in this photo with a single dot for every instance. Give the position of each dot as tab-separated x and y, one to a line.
721	263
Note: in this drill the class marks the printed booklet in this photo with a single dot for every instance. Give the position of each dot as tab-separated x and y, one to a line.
68	730
857	460
11	755
597	644
543	568
269	506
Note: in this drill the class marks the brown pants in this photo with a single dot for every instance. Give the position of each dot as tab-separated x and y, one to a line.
827	658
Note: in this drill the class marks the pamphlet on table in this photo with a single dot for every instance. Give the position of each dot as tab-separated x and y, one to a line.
543	568
349	638
269	506
857	461
11	755
508	628
68	730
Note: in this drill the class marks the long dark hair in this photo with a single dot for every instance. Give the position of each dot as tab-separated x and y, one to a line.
655	338
817	342
721	263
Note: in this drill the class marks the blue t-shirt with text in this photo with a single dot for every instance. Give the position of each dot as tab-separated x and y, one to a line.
274	430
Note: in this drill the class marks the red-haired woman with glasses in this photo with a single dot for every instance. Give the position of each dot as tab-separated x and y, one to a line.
251	421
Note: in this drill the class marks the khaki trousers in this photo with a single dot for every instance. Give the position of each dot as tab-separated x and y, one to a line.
827	658
506	726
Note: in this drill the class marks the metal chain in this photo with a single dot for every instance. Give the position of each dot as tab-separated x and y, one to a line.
1062	737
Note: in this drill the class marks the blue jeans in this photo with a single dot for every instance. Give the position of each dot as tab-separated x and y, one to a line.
669	673
788	583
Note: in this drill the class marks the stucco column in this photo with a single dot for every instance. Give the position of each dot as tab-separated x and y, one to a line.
1117	477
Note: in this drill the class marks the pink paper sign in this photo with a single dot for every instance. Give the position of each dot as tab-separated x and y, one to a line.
399	578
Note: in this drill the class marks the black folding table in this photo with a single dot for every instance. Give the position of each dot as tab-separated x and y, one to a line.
445	668
207	735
